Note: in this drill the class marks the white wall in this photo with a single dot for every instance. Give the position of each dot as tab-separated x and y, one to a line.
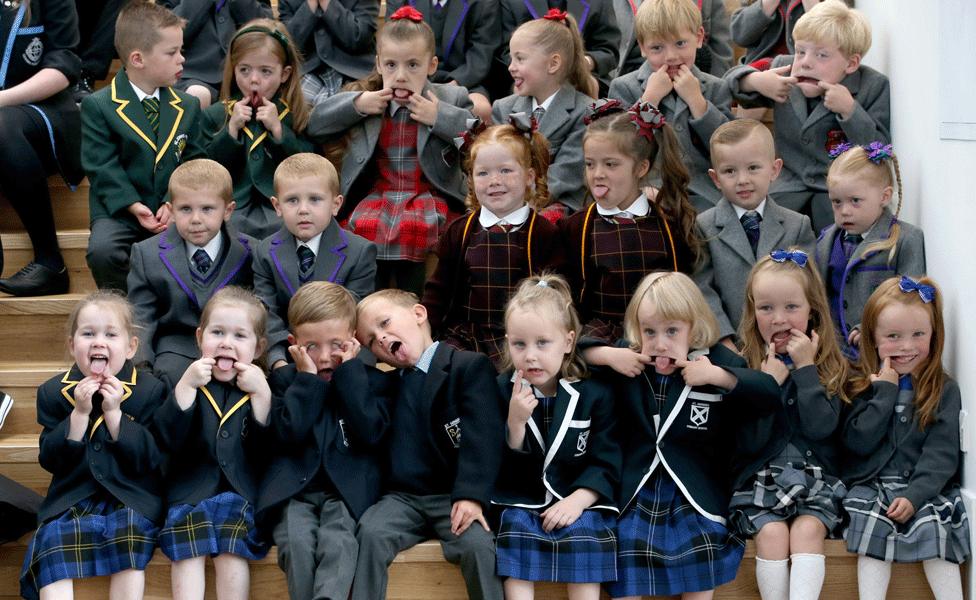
939	178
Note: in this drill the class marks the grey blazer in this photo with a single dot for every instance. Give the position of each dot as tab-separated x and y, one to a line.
760	34
342	37
343	257
723	273
804	139
439	157
563	126
692	133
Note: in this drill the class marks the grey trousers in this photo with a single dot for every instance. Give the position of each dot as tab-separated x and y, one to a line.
108	251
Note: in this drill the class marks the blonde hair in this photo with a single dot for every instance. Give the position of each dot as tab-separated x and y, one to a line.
832	367
666	19
307	164
548	294
675	297
532	154
111	299
138	27
562	38
202	174
397	31
930	381
319	301
233	295
833	22
737	131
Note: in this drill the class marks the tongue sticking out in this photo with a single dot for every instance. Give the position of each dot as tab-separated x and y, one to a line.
225	364
599	191
255	100
663	364
98	366
402	94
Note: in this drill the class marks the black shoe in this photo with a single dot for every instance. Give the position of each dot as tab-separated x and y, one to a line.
83	89
36	280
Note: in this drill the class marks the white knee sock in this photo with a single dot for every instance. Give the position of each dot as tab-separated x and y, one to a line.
806	576
872	578
773	577
944	579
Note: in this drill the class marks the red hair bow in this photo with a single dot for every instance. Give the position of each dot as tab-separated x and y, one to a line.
408	12
555	14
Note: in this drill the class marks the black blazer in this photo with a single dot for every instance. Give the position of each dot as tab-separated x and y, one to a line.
316	424
129	468
342	37
581	450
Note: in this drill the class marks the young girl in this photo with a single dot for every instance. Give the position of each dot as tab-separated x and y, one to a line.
101	510
401	173
260	121
482	257
623	236
553	84
787	488
903	435
678	424
561	467
867	243
212	426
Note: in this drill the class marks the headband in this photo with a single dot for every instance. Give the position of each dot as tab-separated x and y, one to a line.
407	12
908	285
797	257
282	38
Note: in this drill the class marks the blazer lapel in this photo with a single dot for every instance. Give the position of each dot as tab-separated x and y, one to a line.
581	8
170	117
437	373
771	231
332	253
172	253
556	115
732	233
567	396
257	134
130	111
457	10
238	254
536	8
880	231
283	255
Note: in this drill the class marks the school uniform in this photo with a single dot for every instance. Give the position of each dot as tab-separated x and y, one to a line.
805	132
18	509
168	290
126	163
693	134
217	455
478	268
562	124
324	472
252	158
722	274
569	444
444	444
892	458
343	257
101	509
851	280
762	36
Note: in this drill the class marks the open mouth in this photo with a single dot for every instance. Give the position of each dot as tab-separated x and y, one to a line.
780	337
326	373
224	363
402	93
903	359
600	191
744	193
807	80
534	372
663	364
98	363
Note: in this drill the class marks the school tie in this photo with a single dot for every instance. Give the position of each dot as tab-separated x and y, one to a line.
850	243
306	258
202	260
537	114
501	228
438	6
750	222
151	106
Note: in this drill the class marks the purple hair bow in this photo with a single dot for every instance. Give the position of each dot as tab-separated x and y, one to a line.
909	285
798	257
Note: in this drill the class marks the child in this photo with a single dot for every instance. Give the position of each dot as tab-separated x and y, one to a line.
260	122
821	96
444	446
213	427
101	510
866	244
904	503
309	247
174	274
764	28
622	236
401	171
134	133
323	475
209	28
550	73
786	478
561	467
678	425
693	102
746	223
482	257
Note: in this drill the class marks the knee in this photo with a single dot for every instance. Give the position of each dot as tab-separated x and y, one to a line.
773	540
476	542
807	528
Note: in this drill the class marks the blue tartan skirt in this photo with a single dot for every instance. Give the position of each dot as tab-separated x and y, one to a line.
223	524
96	537
584	552
666	547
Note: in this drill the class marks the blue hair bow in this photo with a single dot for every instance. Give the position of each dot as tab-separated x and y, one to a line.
799	257
909	285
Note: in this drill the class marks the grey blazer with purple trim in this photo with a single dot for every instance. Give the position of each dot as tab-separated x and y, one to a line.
343	257
167	296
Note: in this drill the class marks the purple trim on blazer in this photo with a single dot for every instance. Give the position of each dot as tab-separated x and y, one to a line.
165	247
337	250
528	5
281	271
584	16
457	29
237	267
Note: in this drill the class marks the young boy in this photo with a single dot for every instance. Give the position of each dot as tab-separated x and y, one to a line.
444	444
174	273
326	412
309	247
134	133
746	223
669	33
821	96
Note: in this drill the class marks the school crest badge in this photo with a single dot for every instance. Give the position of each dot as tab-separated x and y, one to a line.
179	145
453	430
581	441
34	51
698	416
342	431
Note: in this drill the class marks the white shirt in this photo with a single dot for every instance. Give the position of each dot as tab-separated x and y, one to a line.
141	95
545	103
313	244
212	249
639	208
739	211
515	218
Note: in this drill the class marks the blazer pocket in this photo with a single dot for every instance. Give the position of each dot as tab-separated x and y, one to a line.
449	156
581	436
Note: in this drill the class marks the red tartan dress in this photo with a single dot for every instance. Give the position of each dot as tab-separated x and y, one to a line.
401	214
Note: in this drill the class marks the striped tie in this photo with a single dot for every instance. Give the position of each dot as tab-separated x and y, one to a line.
750	223
151	106
537	114
306	258
202	261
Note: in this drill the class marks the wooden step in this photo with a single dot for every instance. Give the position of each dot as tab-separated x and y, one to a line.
18	251
21	380
18	461
70	207
35	329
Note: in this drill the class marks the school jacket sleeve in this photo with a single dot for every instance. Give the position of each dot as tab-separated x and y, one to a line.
719	111
364	395
453	111
56	454
264	288
939	460
297	399
870	419
135	449
716	23
334	115
704	277
565	172
144	299
602	40
100	159
361	279
61	29
172	424
911	251
819	412
748	24
483	431
602	474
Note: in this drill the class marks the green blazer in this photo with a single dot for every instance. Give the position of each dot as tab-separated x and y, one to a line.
125	163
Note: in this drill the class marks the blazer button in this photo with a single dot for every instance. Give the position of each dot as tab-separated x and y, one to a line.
304	479
904	419
224	433
790	401
255	156
360	159
906	473
809	453
221	19
99	477
97	446
223	463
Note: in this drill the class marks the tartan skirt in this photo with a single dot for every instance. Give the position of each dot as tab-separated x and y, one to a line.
666	547
781	492
223	524
96	537
584	552
938	529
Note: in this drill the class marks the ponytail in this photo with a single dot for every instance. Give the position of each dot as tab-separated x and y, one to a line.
558	33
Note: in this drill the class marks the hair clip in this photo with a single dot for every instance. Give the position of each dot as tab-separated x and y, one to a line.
602	108
909	285
797	257
838	149
555	14
524	123
542	282
407	12
473	128
878	151
647	118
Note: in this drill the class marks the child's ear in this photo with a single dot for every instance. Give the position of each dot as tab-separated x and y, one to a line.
853	63
337	201
886	195
432	67
642	168
229	210
262	345
285	73
714	177
700	37
291	340
570	341
420	313
136	59
199	336
277	205
555	63
777	169
133	346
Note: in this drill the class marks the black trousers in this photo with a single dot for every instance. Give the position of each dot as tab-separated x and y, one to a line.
96	24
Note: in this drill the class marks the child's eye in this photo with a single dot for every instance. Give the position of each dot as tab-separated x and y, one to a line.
672	331
681	43
481	173
835	201
656	48
385	322
518	344
855	200
728	171
753	167
506	171
588	164
649	332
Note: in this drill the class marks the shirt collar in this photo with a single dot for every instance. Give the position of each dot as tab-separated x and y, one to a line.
423	363
545	103
639	208
739	211
515	218
212	248
141	95
313	244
